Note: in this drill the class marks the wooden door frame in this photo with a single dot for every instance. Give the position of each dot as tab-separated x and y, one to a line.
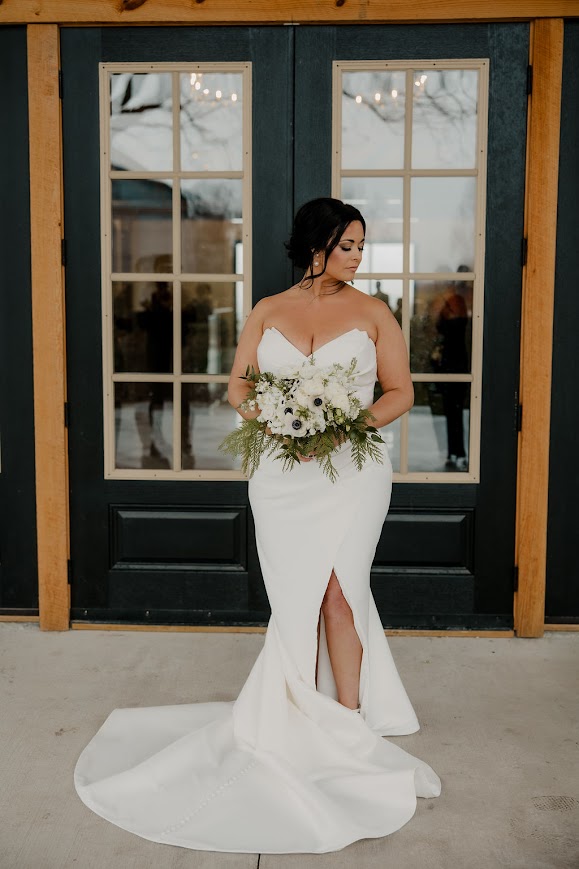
47	224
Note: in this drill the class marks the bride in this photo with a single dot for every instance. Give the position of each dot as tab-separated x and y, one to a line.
298	762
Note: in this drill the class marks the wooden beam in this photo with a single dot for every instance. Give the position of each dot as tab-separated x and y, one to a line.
537	324
161	12
48	330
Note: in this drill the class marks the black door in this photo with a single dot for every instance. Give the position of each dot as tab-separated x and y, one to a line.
183	550
18	561
562	593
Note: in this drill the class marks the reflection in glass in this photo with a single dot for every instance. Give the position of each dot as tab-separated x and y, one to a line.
373	120
209	336
389	290
442	222
141	225
438	430
444	119
144	425
390	433
210	224
206	418
211	121
441	326
141	121
143	326
380	201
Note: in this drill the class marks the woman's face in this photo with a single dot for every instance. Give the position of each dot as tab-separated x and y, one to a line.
346	256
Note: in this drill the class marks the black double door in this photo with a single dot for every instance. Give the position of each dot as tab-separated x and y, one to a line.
447	551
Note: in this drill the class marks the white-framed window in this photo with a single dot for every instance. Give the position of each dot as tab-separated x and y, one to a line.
409	150
176	263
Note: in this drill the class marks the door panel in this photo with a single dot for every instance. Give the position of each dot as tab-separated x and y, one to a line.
562	593
451	565
18	560
146	550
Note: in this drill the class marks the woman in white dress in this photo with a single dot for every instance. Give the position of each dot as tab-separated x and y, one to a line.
298	762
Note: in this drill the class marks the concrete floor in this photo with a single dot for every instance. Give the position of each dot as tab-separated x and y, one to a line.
499	724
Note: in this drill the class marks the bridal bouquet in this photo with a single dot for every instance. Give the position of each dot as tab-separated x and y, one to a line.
305	409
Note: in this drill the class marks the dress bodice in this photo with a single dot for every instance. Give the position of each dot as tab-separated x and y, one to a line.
275	352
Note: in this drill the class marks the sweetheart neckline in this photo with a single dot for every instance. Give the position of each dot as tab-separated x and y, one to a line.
331	341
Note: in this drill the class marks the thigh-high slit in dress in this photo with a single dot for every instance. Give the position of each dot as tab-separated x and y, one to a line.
283	768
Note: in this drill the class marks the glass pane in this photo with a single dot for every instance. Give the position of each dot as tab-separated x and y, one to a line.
390	433
141	225
380	202
444	119
211	121
210	225
373	120
144	425
206	418
143	326
209	331
442	223
438	427
389	290
441	326
141	121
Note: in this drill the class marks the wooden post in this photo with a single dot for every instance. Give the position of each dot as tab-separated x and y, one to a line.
537	323
48	325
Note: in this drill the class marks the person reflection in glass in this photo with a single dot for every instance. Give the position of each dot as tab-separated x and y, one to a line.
196	314
156	321
450	355
384	297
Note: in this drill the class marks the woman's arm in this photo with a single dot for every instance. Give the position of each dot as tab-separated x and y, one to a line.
393	369
246	354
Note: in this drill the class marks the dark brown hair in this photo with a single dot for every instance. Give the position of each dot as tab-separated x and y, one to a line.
318	226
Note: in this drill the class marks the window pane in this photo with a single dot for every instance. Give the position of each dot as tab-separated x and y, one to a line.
389	290
141	121
373	120
209	330
438	427
441	326
210	225
141	225
211	121
444	119
144	425
143	326
206	418
380	202
442	223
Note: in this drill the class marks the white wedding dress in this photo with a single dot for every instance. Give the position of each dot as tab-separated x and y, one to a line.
285	767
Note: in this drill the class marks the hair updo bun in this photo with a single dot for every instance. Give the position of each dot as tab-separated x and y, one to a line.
318	226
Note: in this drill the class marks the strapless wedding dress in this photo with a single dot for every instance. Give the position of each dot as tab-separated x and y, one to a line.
285	767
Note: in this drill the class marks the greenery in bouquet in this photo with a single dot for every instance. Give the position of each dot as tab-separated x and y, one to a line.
305	409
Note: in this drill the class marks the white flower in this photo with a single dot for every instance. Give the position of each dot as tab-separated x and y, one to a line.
342	402
294	426
316	403
314	386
